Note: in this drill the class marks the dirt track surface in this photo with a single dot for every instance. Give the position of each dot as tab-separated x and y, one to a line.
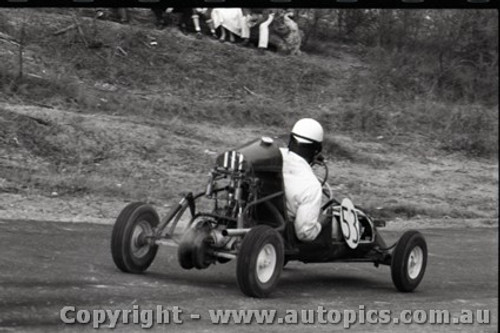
46	266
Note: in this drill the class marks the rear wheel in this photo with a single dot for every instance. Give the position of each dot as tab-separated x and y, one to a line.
131	246
260	261
409	261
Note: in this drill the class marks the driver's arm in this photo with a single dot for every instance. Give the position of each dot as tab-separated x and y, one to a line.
307	226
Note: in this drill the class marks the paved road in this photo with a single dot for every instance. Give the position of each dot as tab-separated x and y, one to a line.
46	266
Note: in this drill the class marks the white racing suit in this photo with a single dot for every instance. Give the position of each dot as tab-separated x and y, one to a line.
303	195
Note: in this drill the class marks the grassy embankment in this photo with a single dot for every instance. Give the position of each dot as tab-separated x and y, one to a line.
106	116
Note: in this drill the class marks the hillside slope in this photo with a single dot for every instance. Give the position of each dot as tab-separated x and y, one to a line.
115	113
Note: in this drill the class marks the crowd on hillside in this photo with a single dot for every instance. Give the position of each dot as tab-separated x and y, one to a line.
244	26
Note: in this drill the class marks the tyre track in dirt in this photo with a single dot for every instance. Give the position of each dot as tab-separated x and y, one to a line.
45	266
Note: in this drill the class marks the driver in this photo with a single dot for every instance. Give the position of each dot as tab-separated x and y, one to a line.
302	188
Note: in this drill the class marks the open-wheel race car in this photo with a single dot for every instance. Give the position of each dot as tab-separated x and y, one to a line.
248	222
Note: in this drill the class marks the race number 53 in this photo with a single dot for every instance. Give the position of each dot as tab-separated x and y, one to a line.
349	223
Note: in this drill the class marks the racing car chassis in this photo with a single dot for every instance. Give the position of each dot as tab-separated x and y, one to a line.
248	223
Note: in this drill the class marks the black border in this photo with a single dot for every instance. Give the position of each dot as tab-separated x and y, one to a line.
258	3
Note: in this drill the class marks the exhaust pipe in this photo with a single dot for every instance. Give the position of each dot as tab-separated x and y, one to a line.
235	232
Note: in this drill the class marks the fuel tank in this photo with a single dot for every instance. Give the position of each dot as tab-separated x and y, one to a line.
261	155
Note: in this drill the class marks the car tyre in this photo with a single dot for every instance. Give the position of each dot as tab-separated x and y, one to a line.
130	248
260	261
409	261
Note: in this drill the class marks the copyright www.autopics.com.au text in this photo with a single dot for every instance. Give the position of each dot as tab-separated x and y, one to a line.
162	315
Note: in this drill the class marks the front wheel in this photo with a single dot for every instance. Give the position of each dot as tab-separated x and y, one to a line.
409	260
260	261
131	248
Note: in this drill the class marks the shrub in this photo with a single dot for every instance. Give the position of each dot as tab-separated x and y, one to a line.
471	129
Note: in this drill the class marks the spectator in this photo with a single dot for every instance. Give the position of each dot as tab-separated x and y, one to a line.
229	20
185	18
293	39
285	34
246	24
264	32
259	19
186	14
206	14
159	12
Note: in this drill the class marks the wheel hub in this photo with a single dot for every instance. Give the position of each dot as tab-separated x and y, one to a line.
266	263
139	244
415	262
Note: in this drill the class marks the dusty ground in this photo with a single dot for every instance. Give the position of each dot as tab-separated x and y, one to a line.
70	264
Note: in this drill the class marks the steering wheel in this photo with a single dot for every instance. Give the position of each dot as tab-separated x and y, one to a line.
320	160
327	189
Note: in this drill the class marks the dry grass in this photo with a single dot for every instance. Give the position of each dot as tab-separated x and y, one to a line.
129	121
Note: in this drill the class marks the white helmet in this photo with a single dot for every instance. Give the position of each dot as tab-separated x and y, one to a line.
308	130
